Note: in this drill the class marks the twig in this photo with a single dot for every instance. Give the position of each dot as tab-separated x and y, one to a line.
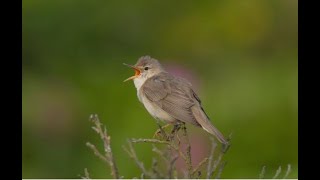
86	174
170	144
155	169
132	153
215	164
161	154
213	147
108	156
225	147
171	166
263	171
142	176
277	173
185	158
156	141
205	160
173	149
287	172
188	153
96	151
177	148
220	170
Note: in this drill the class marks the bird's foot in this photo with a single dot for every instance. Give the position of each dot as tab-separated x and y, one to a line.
174	131
156	134
161	133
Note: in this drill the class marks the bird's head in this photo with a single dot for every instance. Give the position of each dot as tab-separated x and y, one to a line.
145	68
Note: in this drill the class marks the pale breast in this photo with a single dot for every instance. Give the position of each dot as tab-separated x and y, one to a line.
155	111
152	108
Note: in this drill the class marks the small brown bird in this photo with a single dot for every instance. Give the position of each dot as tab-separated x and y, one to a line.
169	98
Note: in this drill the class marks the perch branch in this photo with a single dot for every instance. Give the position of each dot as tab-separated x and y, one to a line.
108	155
156	141
132	153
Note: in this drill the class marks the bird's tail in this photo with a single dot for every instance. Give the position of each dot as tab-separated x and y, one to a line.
205	123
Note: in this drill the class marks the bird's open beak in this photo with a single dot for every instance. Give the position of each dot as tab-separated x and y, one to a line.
137	72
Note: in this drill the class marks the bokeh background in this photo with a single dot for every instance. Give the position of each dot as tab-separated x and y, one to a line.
241	57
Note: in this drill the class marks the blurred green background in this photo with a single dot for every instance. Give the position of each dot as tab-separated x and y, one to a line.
241	57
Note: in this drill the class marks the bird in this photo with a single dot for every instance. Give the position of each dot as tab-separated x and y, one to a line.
169	98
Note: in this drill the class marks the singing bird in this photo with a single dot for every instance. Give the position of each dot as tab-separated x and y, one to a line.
169	98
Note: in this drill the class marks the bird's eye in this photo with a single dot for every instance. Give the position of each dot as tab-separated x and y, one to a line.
146	68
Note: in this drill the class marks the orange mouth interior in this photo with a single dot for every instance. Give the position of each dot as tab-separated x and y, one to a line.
136	74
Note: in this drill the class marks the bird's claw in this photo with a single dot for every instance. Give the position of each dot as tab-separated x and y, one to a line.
157	133
160	133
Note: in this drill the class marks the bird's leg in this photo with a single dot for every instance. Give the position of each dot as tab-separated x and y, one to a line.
161	131
175	130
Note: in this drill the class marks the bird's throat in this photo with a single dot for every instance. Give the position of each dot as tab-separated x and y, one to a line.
139	81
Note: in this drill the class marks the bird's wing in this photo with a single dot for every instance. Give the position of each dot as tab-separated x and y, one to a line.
171	95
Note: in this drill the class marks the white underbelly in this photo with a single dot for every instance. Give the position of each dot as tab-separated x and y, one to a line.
156	111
